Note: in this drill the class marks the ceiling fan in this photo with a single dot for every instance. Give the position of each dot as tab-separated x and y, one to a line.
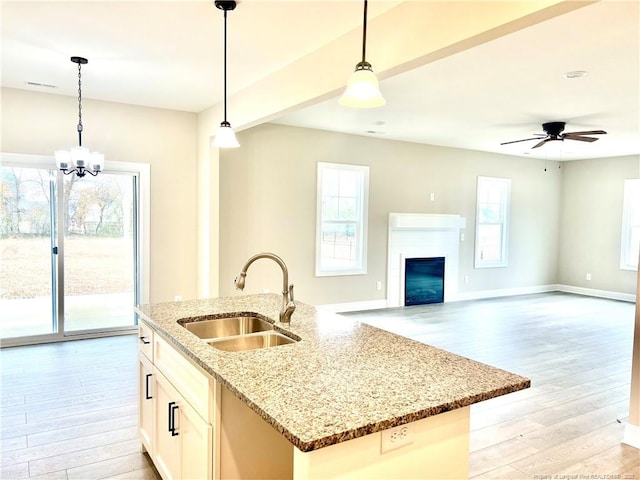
553	131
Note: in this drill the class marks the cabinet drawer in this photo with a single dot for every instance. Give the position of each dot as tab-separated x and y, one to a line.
145	340
187	378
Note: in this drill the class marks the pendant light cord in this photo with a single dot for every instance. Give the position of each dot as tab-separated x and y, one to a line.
364	32
79	104
225	66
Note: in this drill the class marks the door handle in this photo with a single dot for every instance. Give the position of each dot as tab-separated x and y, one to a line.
146	387
172	420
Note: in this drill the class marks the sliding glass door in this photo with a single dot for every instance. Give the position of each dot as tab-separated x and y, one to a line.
99	252
70	262
27	240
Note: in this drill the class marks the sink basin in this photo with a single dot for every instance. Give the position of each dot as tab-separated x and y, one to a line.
227	326
251	342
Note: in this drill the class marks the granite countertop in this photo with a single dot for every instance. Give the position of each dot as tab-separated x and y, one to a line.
342	380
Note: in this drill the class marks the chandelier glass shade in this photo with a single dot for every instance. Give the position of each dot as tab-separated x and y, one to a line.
362	88
79	160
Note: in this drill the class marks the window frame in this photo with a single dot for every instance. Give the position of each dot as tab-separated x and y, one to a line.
360	265
631	193
505	207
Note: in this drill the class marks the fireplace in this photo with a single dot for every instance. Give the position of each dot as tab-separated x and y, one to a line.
419	235
423	280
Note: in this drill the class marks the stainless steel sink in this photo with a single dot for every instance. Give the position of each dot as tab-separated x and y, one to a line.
251	342
227	326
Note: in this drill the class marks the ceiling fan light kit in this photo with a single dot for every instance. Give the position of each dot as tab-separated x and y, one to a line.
553	132
225	137
362	89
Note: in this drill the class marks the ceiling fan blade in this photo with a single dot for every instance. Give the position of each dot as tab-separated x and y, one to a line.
589	132
523	140
541	143
580	138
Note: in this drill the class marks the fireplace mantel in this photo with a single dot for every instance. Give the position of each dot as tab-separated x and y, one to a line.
415	235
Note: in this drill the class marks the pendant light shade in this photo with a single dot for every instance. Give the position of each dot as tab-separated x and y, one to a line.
79	160
225	136
362	88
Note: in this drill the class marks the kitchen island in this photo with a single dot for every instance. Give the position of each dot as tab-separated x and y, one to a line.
347	400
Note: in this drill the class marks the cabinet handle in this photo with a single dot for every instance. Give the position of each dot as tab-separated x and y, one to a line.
144	340
146	387
172	420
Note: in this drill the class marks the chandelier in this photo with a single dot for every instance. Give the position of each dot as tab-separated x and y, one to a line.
79	160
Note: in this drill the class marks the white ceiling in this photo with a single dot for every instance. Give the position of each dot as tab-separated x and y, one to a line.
166	54
169	55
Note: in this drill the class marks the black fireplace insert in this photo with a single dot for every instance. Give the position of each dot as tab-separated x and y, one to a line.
423	280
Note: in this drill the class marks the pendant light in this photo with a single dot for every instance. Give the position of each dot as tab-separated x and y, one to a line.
225	137
79	160
362	88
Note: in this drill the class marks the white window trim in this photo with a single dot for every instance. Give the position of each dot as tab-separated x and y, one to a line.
629	186
362	247
504	254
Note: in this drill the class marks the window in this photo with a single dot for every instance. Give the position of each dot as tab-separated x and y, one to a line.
630	245
492	222
341	232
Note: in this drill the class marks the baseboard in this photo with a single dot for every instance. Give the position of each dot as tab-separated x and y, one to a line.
353	306
632	435
591	292
482	294
503	292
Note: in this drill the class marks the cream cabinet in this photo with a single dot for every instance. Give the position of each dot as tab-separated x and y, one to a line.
175	410
146	398
146	402
182	439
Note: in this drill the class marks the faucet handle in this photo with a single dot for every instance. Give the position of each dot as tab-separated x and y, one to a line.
291	293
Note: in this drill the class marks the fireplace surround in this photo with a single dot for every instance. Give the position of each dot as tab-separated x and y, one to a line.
416	235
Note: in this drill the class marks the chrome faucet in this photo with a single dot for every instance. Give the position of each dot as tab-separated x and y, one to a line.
288	305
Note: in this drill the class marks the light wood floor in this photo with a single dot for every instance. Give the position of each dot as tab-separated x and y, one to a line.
577	352
69	409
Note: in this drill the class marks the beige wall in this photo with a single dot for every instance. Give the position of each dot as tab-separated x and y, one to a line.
38	123
298	85
591	223
268	203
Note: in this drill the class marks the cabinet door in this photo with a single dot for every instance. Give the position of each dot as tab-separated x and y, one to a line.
146	402
183	439
195	443
166	440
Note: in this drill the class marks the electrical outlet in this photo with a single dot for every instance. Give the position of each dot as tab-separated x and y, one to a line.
466	279
378	285
177	298
396	437
588	276
432	197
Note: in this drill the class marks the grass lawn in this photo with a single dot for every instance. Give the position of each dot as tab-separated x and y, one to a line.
93	265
